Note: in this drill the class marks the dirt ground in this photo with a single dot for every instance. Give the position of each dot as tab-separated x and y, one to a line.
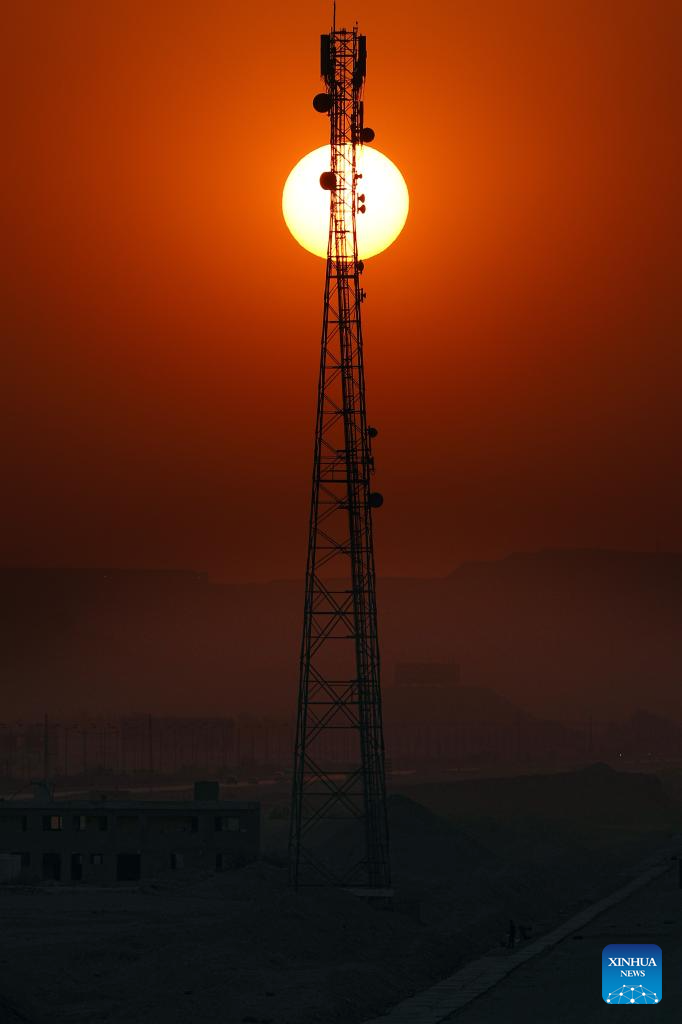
241	947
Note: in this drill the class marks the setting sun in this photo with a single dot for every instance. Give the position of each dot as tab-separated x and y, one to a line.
305	204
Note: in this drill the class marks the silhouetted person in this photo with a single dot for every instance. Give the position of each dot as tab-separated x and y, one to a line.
511	939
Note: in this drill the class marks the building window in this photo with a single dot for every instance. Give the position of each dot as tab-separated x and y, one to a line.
14	822
25	857
53	823
164	824
231	824
97	859
127	822
195	824
90	822
177	861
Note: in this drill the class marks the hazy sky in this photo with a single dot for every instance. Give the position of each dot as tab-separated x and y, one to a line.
161	327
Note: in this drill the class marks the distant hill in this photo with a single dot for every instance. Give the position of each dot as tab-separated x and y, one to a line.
564	633
558	633
594	795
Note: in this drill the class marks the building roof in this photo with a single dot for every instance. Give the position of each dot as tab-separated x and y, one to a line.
53	806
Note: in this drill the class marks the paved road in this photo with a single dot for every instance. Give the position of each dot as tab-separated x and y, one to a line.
563	986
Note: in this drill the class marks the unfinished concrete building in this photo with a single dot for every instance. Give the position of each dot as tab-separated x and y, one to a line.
105	841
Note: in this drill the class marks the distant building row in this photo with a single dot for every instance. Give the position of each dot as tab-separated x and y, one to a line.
123	841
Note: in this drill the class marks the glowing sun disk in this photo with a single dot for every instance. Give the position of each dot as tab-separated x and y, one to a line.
305	204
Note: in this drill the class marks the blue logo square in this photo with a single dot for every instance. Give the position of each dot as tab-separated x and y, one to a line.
631	973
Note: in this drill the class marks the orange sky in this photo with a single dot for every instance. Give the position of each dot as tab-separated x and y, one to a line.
161	327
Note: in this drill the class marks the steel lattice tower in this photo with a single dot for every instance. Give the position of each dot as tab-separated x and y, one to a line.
339	830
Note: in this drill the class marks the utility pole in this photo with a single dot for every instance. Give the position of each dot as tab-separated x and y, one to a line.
46	753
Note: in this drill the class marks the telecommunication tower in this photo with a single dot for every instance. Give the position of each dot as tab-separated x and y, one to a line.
339	829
